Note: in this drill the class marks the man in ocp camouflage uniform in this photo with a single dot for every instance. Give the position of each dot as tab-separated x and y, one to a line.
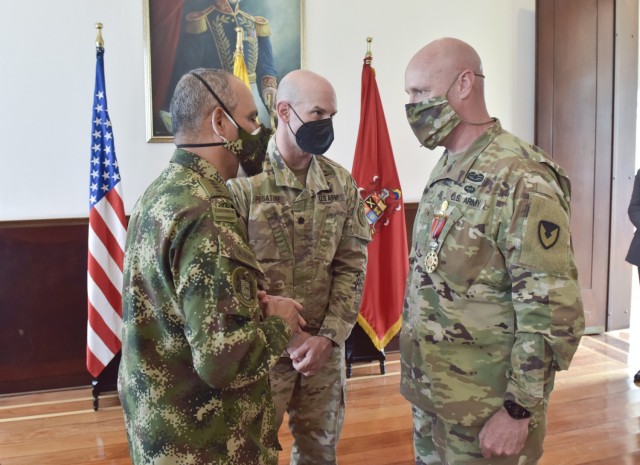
199	339
308	229
493	306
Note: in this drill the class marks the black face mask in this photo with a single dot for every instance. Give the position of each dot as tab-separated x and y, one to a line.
250	148
314	137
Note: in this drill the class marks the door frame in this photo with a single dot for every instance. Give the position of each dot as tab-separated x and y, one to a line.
623	170
618	119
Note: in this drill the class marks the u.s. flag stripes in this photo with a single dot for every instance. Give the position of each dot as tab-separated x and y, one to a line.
107	234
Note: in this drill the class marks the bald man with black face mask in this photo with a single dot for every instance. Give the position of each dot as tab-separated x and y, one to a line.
307	226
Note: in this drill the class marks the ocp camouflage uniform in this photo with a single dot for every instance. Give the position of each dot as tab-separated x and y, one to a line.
502	312
193	380
312	245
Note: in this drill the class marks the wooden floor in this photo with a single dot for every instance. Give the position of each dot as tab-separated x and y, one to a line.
594	417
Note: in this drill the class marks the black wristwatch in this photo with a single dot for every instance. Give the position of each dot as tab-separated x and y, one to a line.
516	411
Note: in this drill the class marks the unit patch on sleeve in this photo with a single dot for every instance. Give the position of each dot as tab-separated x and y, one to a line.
245	286
546	240
548	233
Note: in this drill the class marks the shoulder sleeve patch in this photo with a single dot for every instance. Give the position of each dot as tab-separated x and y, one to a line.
359	224
245	286
546	240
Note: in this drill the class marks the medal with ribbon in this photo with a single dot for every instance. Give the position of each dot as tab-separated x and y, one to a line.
437	225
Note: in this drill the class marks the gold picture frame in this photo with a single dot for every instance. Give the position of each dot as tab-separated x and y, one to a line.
180	35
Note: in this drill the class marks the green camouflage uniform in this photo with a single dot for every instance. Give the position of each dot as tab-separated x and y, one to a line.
312	245
502	312
193	379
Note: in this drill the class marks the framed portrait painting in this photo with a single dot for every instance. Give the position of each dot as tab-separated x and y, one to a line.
181	35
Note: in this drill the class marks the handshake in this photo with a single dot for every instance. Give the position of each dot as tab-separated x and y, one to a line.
308	353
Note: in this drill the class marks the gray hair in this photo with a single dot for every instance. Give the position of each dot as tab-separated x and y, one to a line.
192	101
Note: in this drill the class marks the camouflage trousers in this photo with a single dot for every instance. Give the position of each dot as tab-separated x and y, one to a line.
436	442
315	405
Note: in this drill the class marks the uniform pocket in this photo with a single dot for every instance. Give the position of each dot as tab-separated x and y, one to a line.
463	248
269	238
328	230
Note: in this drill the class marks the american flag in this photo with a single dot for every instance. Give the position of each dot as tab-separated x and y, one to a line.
107	233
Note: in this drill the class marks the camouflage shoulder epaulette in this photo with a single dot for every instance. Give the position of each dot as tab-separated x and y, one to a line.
222	211
213	190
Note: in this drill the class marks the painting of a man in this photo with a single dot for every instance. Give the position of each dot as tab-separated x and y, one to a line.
188	34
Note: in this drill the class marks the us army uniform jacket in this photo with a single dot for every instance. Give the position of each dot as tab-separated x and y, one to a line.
311	241
502	311
195	354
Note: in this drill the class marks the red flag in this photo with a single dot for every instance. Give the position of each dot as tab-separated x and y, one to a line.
107	234
374	170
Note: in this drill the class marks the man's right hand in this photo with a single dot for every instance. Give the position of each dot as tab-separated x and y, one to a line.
502	435
285	308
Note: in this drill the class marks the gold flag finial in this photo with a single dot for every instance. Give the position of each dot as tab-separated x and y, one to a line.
239	66
368	57
239	39
99	41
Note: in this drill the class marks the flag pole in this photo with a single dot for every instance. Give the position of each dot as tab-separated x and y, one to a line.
95	386
375	172
107	233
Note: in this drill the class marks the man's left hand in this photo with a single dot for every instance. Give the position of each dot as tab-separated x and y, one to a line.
503	435
311	355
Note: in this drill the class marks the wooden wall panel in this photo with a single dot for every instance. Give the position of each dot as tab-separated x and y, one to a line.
43	304
574	121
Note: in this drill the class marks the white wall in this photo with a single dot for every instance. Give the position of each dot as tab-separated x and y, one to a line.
47	69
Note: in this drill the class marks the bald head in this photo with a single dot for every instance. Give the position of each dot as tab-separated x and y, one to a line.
435	69
303	97
304	85
451	69
446	56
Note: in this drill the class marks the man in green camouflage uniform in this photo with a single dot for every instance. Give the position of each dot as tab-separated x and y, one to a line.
493	306
197	346
308	229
